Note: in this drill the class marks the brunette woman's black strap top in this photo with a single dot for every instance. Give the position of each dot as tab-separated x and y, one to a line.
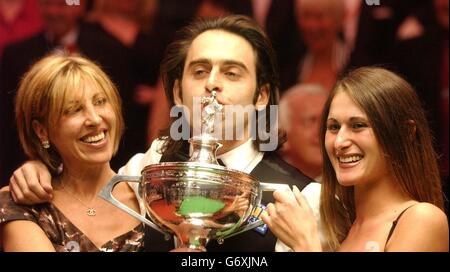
394	224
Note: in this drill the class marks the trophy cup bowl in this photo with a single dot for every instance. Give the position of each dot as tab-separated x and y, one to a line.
194	201
198	200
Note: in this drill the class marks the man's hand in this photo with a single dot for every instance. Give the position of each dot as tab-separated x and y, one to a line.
31	184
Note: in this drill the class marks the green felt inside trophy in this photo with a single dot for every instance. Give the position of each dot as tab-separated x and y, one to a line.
200	205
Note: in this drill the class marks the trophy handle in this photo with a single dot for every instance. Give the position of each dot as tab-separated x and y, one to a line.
263	187
106	194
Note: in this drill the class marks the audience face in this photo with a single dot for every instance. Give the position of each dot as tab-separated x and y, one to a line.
318	26
59	17
222	60
86	131
351	144
303	133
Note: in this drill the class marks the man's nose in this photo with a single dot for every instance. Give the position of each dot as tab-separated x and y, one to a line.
214	81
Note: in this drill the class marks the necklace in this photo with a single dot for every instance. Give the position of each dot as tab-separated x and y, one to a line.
91	211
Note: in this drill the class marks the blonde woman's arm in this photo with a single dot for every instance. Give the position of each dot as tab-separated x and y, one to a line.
24	236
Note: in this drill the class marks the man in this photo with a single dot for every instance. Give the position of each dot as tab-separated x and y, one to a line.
300	113
232	56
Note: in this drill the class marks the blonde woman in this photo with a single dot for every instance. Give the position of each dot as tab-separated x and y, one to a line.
69	113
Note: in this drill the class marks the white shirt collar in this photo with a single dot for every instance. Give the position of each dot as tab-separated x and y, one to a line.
242	158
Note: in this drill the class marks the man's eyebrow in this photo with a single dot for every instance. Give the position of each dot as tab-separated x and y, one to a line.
199	61
224	62
235	63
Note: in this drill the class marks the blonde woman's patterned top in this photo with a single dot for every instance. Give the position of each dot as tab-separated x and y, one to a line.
63	234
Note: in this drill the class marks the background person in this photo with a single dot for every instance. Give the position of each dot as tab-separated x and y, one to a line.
300	114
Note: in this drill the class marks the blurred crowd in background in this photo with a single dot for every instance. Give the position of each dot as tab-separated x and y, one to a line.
316	41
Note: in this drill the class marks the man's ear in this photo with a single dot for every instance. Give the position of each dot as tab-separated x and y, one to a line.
177	95
40	130
263	97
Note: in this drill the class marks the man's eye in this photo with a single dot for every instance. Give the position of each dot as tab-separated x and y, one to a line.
200	72
232	75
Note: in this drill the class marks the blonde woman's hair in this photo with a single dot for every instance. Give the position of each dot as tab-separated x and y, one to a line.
43	93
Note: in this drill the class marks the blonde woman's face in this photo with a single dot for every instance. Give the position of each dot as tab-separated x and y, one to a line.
351	144
85	133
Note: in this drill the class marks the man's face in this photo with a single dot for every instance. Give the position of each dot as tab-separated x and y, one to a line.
59	17
221	60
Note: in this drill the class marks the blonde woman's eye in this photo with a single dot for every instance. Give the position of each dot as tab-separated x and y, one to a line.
72	110
101	101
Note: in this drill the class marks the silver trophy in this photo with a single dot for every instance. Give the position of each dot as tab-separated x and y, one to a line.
197	200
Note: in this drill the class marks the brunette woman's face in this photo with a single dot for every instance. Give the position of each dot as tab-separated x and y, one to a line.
351	145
